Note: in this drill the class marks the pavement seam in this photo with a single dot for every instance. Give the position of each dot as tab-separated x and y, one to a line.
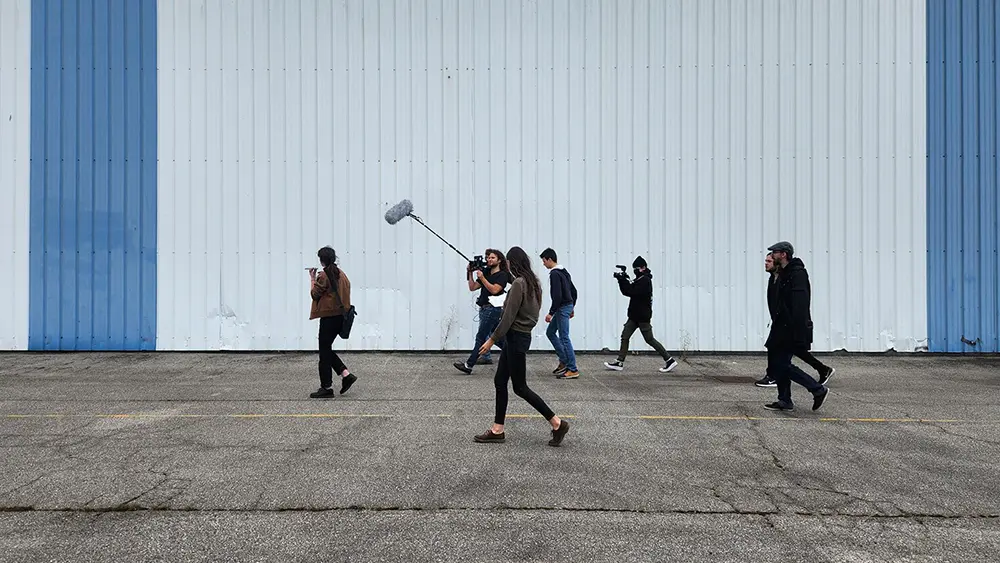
762	513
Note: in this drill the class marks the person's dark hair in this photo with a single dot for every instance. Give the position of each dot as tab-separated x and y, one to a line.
504	266
520	267
328	258
550	254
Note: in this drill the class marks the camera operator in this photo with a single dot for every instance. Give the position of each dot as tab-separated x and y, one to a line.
640	313
491	278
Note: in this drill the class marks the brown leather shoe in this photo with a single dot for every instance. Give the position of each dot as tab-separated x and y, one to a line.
489	437
559	433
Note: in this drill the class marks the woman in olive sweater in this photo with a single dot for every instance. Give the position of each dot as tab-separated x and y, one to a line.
520	315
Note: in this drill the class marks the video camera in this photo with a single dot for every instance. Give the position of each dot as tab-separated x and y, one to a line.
478	263
622	274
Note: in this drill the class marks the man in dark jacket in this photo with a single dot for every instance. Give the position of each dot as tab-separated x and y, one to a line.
564	297
640	313
791	328
825	371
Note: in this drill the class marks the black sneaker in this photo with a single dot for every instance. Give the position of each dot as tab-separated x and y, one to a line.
322	393
616	365
827	375
766	382
776	406
460	366
346	382
671	364
819	398
485	362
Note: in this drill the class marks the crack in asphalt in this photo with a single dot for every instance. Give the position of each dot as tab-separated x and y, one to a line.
971	438
126	507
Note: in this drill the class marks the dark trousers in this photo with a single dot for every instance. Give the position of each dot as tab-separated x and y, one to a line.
329	361
514	366
489	318
807	357
647	334
785	372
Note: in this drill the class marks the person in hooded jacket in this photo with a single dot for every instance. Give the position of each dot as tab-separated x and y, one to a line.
791	328
640	314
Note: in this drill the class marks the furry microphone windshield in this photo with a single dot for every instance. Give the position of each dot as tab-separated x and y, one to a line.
398	211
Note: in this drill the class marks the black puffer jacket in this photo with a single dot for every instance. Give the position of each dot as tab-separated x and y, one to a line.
640	294
792	325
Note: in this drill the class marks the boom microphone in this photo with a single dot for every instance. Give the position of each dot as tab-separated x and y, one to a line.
404	208
398	211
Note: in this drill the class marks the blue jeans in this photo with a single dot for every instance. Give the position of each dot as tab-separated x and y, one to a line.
562	344
489	318
785	372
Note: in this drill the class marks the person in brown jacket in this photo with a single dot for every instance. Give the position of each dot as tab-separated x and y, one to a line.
331	298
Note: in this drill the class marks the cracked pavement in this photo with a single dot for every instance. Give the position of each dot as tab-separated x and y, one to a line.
175	457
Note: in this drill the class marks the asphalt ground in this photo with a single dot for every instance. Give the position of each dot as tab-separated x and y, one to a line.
223	457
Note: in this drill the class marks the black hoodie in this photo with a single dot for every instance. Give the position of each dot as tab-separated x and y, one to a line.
640	294
792	326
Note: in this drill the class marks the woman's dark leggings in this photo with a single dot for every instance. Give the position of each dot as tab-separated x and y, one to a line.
513	366
329	361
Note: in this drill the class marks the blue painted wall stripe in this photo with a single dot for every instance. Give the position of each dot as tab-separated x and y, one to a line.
962	210
93	175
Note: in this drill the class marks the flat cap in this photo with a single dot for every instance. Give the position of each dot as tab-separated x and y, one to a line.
783	246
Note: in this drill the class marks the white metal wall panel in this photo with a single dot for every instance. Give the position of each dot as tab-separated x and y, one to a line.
692	132
15	188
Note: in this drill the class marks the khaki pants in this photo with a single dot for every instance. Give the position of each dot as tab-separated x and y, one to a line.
647	334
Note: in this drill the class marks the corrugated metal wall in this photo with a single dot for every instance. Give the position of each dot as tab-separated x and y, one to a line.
694	133
93	175
15	111
964	273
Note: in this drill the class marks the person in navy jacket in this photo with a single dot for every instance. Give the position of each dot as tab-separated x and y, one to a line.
560	312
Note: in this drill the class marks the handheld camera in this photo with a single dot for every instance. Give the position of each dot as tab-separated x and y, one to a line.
622	273
478	263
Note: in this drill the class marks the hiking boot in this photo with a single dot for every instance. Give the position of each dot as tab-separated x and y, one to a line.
560	369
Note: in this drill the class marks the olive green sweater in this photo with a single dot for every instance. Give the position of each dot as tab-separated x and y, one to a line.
520	310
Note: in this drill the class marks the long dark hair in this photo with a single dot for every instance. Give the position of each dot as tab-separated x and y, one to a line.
520	267
504	266
328	258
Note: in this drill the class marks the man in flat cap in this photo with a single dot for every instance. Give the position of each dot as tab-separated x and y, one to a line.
791	329
640	313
